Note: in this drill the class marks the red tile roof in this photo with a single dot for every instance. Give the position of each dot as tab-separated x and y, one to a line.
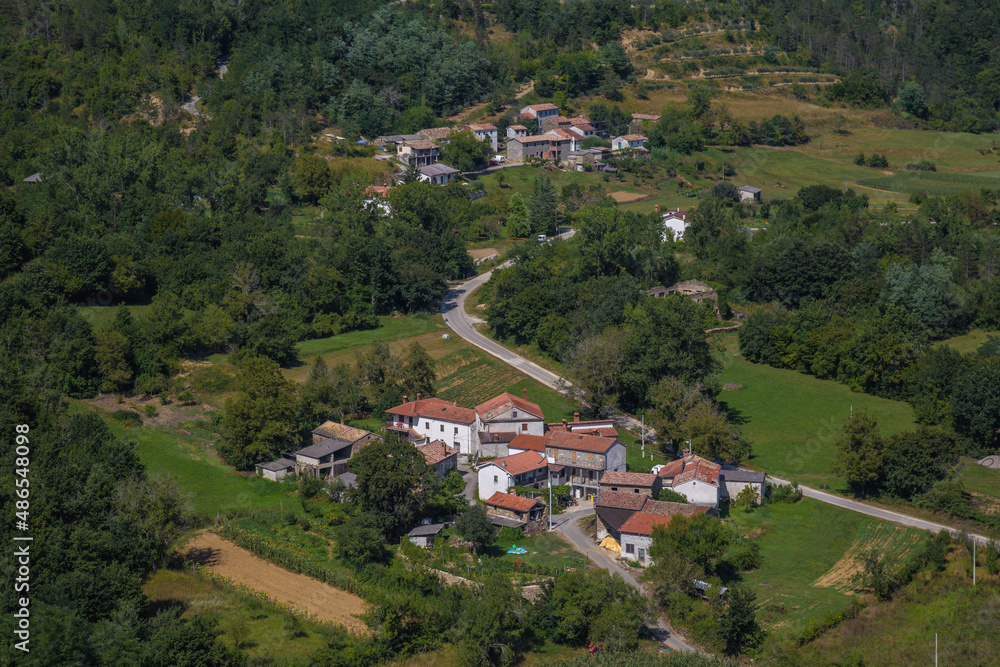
642	523
601	427
620	500
691	467
634	137
518	127
534	138
672	509
437	451
511	502
579	442
482	127
505	401
618	478
435	408
561	133
518	464
420	144
533	442
545	106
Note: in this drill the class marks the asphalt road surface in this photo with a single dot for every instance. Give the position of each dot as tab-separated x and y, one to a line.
460	322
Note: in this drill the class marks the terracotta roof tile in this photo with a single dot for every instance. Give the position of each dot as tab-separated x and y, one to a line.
437	451
620	500
545	106
642	523
506	401
628	478
482	127
691	467
533	442
518	464
518	127
332	429
420	144
672	509
435	408
579	442
509	501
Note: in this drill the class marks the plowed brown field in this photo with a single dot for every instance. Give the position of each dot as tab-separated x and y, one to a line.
242	567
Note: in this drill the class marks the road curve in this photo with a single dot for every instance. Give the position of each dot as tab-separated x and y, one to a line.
566	524
453	309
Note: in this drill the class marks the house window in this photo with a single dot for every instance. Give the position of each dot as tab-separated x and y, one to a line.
495	479
630	548
614	488
590	456
515	414
427	425
637	490
524	427
642	555
456	430
442	428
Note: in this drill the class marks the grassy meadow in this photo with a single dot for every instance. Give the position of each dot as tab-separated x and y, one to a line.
275	634
809	554
793	418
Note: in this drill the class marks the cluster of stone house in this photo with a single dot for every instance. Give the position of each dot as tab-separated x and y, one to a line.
627	510
696	290
423	149
329	455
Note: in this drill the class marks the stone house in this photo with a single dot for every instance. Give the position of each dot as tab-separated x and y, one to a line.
695	290
484	132
420	152
517	131
423	536
506	413
514	510
749	193
276	470
643	483
540	111
585	457
439	456
613	509
732	480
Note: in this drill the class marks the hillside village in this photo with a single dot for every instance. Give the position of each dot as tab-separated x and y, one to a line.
501	333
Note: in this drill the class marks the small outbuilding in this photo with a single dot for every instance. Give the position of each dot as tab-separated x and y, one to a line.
423	536
276	470
749	193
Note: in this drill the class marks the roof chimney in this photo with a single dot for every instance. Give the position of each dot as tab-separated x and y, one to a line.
341	422
406	399
525	393
564	423
576	417
418	395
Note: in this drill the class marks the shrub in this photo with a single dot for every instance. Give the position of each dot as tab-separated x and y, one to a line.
510	534
878	161
923	165
784	493
748	557
127	417
150	411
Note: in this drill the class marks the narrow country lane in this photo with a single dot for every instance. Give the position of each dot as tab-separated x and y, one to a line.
567	524
453	309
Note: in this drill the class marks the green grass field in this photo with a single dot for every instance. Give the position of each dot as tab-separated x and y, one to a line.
214	486
980	479
969	342
808	552
274	633
793	418
101	317
901	632
933	183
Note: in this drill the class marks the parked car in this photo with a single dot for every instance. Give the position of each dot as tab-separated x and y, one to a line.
542	238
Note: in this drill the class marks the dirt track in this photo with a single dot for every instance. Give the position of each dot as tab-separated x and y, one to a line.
242	567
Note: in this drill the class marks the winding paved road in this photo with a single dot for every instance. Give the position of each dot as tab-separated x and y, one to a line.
461	323
568	524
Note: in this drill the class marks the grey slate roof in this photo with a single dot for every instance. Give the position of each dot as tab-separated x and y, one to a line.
34	178
322	448
749	188
280	464
437	169
741	475
426	531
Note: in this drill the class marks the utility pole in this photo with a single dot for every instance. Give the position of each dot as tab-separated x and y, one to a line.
935	650
973	562
550	501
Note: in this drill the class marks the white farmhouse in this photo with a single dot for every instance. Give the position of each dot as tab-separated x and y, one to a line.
429	419
507	413
524	469
695	478
675	223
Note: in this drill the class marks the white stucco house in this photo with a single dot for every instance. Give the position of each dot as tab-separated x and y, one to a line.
637	535
540	111
427	419
628	141
276	470
675	223
524	469
507	413
484	132
695	478
437	174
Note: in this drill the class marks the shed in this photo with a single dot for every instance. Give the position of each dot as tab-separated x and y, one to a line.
34	178
423	536
276	470
749	193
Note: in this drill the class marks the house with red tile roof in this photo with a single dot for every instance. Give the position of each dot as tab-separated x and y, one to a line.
628	141
507	412
637	534
564	134
586	458
517	131
525	442
439	456
524	469
427	419
509	510
644	483
602	427
540	111
695	478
